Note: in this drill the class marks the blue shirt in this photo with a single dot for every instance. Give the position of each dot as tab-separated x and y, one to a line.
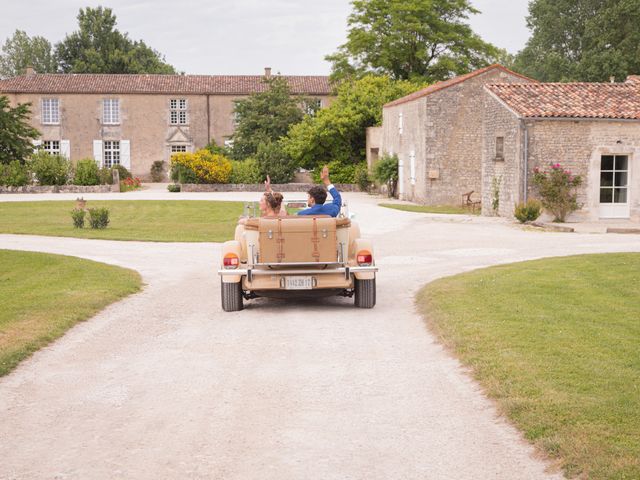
332	209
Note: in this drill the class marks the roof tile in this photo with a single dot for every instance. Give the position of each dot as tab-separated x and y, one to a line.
148	83
571	100
451	82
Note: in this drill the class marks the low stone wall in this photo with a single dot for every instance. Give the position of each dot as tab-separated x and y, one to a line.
59	189
258	187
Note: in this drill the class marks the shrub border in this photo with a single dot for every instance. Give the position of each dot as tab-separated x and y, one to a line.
258	187
59	189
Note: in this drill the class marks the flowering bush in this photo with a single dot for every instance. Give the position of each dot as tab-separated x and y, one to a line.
200	167
131	183
557	189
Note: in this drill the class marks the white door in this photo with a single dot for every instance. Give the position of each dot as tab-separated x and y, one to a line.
614	186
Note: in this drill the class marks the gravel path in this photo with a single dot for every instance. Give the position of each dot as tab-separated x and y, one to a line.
166	385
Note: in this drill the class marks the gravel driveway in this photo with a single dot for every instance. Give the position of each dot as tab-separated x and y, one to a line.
166	385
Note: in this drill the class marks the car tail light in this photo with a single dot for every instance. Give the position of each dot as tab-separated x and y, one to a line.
364	258
231	261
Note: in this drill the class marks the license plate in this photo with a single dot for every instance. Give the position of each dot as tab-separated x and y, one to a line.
298	283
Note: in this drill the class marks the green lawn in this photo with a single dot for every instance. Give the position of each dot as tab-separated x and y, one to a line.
557	343
450	209
42	296
152	220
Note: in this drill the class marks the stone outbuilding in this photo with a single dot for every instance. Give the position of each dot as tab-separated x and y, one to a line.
437	134
134	120
591	129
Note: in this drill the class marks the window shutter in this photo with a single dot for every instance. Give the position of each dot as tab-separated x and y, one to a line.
97	152
65	149
125	154
412	166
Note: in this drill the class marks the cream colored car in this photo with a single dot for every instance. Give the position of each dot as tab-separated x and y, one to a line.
297	256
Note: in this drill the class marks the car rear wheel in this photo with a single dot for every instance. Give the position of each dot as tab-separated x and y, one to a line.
365	296
231	297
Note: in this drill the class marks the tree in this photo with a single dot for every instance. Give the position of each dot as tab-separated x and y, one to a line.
98	47
265	117
20	52
411	39
16	135
581	40
338	132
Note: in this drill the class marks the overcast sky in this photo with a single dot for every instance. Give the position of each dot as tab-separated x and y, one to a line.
240	37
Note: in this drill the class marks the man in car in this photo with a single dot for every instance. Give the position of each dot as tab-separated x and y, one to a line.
318	195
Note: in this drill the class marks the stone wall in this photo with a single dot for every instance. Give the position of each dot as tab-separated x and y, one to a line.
576	144
258	187
444	132
501	175
59	189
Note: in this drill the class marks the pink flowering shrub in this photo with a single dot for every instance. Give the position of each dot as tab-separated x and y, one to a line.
557	189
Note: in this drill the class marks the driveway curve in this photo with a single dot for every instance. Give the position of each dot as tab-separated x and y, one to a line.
165	385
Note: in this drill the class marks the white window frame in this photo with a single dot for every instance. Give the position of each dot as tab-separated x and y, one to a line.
110	111
312	106
51	146
400	123
50	111
178	111
178	149
110	153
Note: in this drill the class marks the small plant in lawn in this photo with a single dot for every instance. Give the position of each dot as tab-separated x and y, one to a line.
528	212
99	218
173	187
77	214
129	184
557	189
157	171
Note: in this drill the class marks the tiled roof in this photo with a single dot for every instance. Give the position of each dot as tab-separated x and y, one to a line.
452	81
571	100
173	84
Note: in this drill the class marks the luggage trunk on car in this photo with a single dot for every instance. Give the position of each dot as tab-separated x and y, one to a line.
303	240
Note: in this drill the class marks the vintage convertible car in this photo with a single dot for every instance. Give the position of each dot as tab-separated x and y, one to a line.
297	256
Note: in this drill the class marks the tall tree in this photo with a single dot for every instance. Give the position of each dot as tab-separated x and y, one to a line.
20	52
16	134
338	132
411	39
98	47
265	117
581	40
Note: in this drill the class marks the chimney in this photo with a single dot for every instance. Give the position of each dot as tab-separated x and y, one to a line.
30	71
612	79
267	72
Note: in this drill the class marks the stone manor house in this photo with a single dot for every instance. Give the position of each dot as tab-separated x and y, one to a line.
134	120
486	131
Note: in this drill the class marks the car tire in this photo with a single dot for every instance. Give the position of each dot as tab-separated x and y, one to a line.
365	293
231	297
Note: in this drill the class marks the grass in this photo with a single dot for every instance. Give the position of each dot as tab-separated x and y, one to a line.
449	209
42	296
162	221
556	343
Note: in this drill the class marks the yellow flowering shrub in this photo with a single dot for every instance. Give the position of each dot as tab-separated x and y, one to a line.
205	166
